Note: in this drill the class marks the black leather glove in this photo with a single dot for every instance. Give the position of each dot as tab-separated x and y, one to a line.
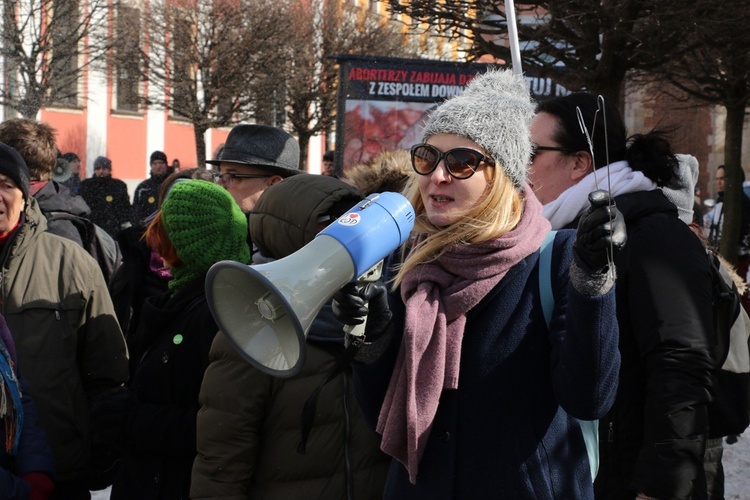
354	303
109	415
600	231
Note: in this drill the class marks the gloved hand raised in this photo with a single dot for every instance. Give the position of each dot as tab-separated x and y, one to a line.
600	231
354	303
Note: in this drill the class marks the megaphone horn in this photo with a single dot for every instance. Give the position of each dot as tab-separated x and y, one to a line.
61	172
266	310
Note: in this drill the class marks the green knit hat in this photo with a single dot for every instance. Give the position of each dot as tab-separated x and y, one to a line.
205	225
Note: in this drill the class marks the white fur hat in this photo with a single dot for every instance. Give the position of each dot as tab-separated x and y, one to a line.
681	188
495	111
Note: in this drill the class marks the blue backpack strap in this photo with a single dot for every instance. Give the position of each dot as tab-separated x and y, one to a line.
545	276
589	428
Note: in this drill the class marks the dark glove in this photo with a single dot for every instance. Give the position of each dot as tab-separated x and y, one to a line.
110	416
109	413
601	231
355	303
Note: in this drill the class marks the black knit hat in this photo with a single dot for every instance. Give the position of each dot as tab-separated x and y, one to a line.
14	168
262	146
102	162
157	155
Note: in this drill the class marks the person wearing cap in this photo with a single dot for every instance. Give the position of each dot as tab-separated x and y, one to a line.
249	427
68	341
171	344
253	158
473	393
74	169
35	142
107	197
147	192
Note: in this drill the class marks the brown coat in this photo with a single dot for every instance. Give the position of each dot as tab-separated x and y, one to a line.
70	347
249	430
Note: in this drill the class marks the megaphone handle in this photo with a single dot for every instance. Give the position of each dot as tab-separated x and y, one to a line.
356	330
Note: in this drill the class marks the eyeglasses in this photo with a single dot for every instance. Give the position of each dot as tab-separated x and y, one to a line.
461	163
535	149
226	177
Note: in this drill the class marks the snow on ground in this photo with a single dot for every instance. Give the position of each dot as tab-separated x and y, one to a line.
737	469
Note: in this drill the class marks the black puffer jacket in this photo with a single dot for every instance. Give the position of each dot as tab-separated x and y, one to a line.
653	438
249	426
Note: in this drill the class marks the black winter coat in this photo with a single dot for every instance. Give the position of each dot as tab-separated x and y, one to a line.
146	198
653	438
109	202
171	348
54	197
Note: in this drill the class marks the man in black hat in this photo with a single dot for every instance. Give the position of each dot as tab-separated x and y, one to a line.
253	158
107	197
147	192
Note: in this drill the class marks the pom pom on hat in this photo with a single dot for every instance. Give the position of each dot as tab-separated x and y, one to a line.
205	225
495	111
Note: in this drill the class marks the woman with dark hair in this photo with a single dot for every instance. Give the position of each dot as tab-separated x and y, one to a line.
652	440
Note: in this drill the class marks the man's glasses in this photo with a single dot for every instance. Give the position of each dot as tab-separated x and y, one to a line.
461	163
225	178
535	149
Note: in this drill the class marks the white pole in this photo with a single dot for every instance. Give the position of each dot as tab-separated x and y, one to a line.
515	49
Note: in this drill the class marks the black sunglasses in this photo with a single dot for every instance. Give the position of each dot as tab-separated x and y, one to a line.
461	163
226	177
535	149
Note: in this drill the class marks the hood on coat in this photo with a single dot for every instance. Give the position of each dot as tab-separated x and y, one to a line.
287	214
55	197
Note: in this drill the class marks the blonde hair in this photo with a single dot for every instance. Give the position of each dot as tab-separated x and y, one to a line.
497	213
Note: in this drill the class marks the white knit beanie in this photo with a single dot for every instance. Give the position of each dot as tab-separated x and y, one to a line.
681	188
495	111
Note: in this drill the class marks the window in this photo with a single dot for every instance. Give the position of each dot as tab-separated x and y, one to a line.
127	65
182	78
64	69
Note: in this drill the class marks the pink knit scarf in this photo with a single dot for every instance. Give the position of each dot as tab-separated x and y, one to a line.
437	296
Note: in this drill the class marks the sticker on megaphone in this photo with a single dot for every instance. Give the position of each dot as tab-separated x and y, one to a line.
266	310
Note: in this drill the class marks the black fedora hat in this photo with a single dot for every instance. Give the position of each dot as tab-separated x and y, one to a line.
269	148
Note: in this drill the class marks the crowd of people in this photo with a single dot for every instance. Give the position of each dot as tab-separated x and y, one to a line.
471	381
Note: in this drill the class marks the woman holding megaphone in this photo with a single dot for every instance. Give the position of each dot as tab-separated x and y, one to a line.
473	393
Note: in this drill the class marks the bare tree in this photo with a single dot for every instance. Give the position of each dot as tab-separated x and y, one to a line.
308	81
46	46
203	58
580	44
713	66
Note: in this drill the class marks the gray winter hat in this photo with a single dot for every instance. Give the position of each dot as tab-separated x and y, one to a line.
495	111
262	146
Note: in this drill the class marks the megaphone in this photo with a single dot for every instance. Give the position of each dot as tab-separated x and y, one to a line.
266	310
61	172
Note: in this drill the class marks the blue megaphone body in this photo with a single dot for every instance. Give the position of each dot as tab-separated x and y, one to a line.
266	310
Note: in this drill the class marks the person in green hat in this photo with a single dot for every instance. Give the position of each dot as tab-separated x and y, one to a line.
198	225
